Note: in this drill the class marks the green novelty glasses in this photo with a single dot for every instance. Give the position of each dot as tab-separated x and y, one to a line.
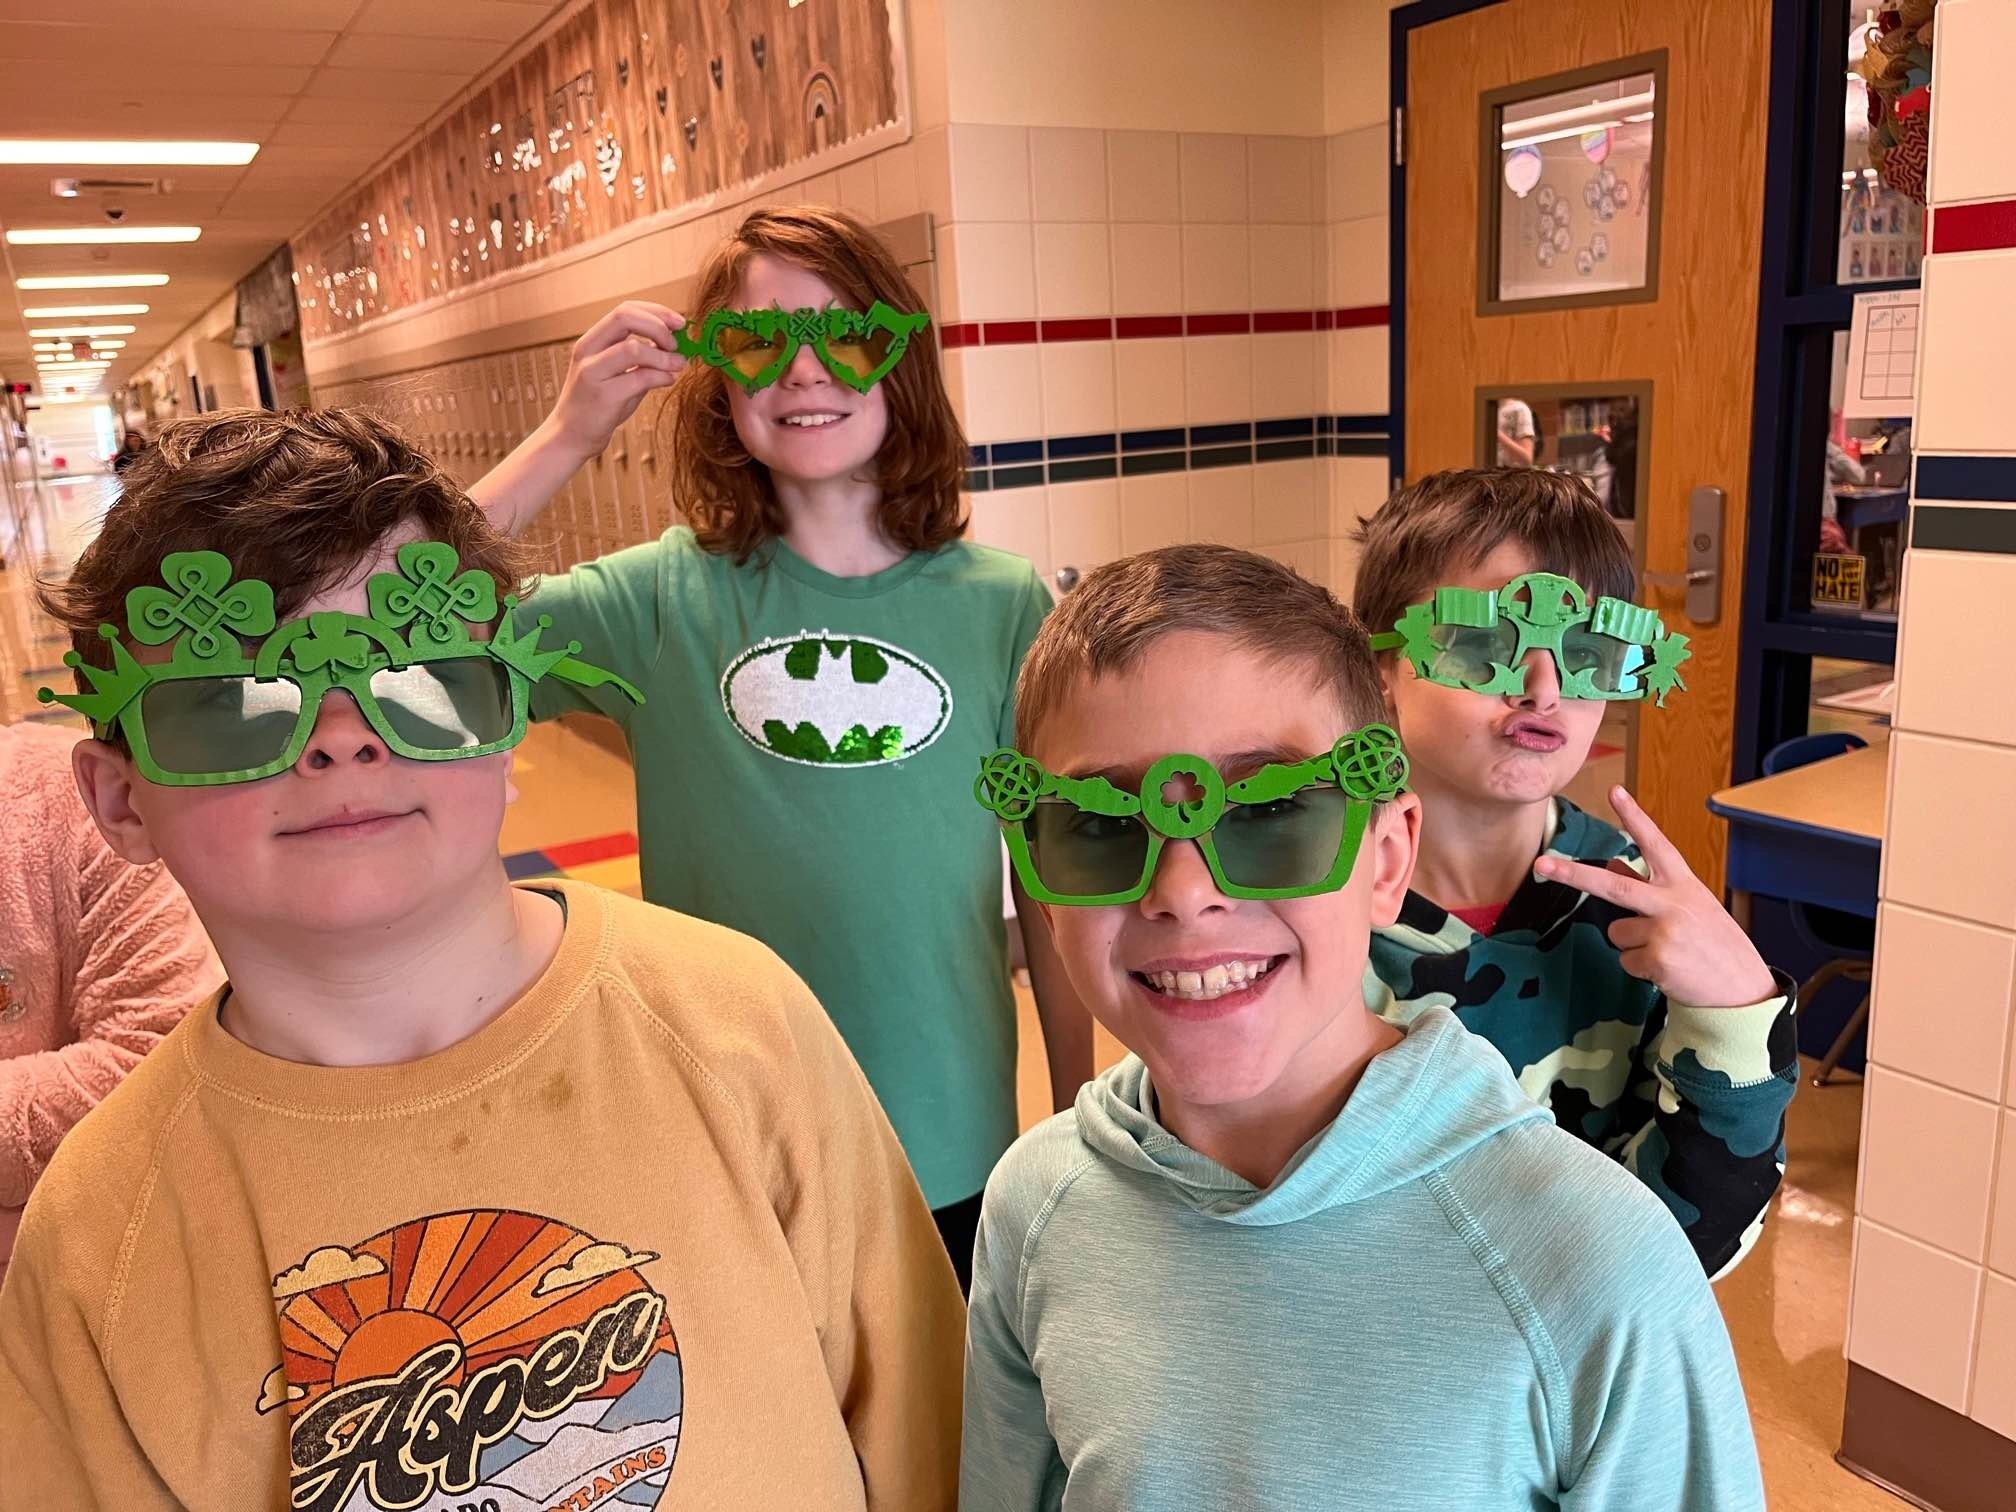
1478	639
754	347
1287	831
214	714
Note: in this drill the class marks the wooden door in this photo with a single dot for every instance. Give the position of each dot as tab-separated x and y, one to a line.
1691	344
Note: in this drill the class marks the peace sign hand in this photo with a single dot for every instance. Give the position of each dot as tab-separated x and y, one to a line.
1677	935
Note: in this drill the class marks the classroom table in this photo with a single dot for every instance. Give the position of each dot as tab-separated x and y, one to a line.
1811	835
1859	506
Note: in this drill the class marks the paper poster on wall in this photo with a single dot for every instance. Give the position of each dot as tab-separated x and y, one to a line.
1840	581
1883	357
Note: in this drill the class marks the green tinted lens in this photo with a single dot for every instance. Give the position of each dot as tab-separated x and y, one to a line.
201	726
1291	842
1466	652
446	705
1081	855
1607	660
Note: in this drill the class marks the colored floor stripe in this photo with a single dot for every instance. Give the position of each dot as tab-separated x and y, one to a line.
528	864
583	852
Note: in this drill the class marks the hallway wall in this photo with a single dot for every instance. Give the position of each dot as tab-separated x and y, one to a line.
1932	1328
1151	334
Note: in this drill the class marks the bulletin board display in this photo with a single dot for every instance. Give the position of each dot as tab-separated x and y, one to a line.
629	110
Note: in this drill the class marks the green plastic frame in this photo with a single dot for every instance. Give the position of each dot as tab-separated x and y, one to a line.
808	327
419	614
1367	764
1552	606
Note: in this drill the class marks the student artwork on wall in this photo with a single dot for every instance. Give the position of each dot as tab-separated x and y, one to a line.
630	109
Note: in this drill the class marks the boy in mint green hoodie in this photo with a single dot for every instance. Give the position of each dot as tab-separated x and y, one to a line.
1288	1255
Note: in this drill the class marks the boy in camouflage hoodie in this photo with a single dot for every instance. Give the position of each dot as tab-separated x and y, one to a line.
1625	998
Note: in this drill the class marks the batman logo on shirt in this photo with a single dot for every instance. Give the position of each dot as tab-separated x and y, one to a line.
493	1360
835	701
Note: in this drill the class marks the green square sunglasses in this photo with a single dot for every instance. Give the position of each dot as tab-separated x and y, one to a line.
214	714
754	347
1288	831
1478	639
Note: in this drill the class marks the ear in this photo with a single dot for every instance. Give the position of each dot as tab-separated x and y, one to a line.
105	781
1395	840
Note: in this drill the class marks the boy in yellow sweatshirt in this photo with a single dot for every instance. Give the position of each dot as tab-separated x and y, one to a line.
459	1192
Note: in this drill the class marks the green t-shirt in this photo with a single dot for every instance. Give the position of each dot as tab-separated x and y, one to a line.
805	760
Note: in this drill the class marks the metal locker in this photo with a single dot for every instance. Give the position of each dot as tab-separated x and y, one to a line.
531	407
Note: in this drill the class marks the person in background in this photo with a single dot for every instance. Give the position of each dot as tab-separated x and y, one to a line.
98	960
824	661
1518	434
131	445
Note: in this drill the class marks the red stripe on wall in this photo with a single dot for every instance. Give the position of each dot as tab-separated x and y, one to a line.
1974	228
1140	327
973	333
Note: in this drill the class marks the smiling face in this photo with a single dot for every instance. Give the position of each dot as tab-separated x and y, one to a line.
1233	1004
807	427
351	837
1491	748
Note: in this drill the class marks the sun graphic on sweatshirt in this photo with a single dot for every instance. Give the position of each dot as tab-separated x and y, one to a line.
488	1350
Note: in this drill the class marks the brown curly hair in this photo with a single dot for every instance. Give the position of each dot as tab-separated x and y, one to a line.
725	492
296	500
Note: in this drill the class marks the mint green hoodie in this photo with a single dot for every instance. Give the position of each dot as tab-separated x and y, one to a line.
1444	1302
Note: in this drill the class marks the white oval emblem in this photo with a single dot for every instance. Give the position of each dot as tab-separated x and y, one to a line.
821	699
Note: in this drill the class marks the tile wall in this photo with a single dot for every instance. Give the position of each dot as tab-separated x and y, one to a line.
1933	1305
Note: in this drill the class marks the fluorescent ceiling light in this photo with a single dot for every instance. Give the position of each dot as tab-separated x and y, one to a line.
78	236
1586	117
82	312
150	154
95	281
72	398
91	330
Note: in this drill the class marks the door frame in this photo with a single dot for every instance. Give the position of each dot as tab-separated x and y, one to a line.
1799	308
1402	24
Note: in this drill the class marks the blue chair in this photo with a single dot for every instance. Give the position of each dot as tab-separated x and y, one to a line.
1849	940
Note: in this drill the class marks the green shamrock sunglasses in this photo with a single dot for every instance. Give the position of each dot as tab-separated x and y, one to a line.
1288	831
212	714
1478	639
754	347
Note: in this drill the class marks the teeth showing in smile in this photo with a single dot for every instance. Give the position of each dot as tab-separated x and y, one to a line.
1203	986
810	422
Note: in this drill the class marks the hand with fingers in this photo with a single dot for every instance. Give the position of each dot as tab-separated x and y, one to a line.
1677	936
624	356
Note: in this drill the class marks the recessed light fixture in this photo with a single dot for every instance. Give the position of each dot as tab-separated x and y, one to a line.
95	281
91	330
150	154
82	312
78	236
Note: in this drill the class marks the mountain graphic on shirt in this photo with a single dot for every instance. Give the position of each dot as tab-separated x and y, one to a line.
820	699
491	1358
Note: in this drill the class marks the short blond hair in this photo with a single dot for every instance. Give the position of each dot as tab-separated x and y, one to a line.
1111	619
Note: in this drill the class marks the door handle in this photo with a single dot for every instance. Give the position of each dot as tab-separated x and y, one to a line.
1702	578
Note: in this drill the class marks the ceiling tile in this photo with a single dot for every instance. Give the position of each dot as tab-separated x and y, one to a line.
377	84
509	19
149	113
135	77
405	113
359	131
87	47
116	17
419	54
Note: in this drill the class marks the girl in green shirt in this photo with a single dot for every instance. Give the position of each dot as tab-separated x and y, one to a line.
824	663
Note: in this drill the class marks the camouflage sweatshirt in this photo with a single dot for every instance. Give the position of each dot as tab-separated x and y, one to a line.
1691	1100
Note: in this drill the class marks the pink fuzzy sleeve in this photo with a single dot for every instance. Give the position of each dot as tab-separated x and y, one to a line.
141	961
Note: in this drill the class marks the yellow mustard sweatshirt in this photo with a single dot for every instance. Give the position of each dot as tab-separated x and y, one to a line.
645	1240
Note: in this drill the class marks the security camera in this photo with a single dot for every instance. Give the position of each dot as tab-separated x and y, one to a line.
115	212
